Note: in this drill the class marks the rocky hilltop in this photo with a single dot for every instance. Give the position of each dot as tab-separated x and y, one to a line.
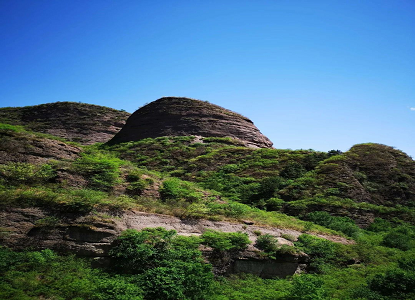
78	122
174	116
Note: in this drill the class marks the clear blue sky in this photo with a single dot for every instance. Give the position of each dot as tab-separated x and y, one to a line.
310	74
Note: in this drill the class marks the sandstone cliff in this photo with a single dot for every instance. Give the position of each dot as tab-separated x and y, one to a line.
92	235
171	116
78	122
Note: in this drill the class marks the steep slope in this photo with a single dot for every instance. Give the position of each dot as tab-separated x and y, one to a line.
371	173
20	146
172	116
368	181
78	122
91	200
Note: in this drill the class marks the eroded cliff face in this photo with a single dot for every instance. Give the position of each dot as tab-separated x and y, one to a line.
25	147
92	235
171	116
78	122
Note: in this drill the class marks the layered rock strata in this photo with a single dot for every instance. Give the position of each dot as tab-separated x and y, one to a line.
92	235
172	116
78	122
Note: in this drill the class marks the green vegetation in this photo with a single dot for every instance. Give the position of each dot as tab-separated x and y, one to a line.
216	179
342	224
44	274
99	168
165	268
288	181
225	241
23	173
8	132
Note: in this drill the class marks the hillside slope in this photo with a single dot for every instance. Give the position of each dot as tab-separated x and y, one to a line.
154	215
78	122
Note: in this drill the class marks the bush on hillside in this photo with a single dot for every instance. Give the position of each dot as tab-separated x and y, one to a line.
400	238
267	243
176	189
168	266
15	173
225	241
101	170
395	283
342	224
322	252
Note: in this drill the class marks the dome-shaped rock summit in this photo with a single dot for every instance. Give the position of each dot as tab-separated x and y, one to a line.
176	116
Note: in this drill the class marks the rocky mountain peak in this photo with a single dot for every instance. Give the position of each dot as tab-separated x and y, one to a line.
179	116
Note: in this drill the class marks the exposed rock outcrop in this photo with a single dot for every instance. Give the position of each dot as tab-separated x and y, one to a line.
92	235
30	148
78	122
171	116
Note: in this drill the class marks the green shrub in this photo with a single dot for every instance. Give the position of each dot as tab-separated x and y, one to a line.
288	237
178	280
47	222
407	263
169	267
82	200
25	173
322	252
307	287
395	283
45	275
379	225
267	243
176	189
101	170
137	251
134	175
225	241
250	287
274	204
186	242
28	196
136	187
236	210
197	210
286	249
364	293
293	170
11	128
342	224
267	188
171	188
400	237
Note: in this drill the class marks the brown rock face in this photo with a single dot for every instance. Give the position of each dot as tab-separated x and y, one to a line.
29	148
78	122
171	116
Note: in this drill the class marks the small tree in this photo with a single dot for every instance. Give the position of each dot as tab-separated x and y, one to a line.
267	243
167	266
225	241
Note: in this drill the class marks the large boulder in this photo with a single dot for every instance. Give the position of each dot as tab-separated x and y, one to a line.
172	116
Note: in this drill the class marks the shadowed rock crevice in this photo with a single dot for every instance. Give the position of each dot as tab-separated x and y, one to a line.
171	116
